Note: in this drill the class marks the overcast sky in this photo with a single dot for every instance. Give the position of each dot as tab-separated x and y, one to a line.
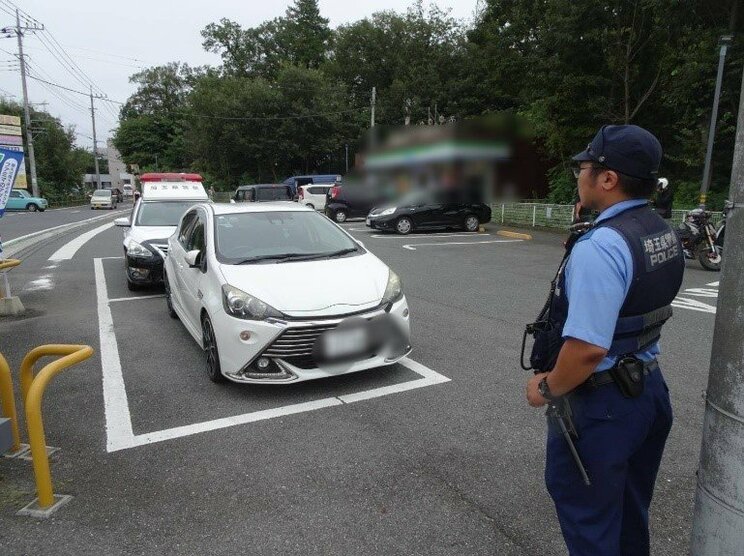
110	40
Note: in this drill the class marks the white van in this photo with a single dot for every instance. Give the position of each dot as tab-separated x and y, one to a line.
165	198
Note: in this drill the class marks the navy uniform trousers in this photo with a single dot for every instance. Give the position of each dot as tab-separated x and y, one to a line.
621	441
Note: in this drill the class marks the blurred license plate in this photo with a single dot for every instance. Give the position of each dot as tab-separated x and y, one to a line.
342	343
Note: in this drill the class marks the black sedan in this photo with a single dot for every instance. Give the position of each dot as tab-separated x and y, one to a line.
424	211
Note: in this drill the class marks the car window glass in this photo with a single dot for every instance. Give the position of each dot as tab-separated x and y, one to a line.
15	194
162	213
187	225
304	181
244	235
196	237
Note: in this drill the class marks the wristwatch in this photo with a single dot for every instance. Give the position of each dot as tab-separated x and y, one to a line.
544	389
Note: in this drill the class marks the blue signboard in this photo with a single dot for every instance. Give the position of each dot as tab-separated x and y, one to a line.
10	164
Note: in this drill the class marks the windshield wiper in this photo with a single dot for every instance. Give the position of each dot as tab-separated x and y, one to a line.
279	257
342	252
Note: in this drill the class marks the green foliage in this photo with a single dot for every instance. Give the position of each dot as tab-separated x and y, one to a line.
291	92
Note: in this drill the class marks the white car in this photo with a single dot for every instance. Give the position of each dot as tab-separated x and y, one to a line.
103	198
232	274
313	196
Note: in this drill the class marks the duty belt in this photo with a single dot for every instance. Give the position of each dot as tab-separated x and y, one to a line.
602	378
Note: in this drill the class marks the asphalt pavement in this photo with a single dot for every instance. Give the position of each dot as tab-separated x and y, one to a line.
357	464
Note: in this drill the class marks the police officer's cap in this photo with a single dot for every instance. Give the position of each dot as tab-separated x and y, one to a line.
628	149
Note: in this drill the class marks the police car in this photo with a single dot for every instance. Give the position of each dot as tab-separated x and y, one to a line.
165	198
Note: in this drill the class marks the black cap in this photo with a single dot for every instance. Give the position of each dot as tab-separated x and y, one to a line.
628	149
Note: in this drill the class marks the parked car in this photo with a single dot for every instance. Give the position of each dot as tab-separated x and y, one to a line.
421	210
262	192
128	191
103	198
20	199
344	202
154	217
313	196
295	182
238	298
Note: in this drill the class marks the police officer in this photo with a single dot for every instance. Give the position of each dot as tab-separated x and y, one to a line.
613	295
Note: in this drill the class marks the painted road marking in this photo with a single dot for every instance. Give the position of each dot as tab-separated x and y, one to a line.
135	297
68	250
425	236
119	431
694	304
79	223
414	246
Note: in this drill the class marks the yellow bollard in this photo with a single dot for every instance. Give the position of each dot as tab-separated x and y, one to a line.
7	401
33	391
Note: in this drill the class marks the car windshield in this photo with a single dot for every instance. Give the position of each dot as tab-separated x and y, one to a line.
273	194
254	237
102	193
162	213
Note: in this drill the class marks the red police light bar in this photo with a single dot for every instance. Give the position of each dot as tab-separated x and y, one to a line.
170	176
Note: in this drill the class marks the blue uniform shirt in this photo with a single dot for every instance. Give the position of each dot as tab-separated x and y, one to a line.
598	277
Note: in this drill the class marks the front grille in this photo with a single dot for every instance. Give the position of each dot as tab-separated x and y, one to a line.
297	341
162	248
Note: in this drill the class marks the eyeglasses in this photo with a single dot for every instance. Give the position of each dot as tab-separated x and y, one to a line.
577	169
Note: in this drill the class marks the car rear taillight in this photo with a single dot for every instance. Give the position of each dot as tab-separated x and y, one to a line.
335	190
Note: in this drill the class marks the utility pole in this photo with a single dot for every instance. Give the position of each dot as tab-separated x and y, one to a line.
95	141
374	100
724	43
718	521
26	113
347	158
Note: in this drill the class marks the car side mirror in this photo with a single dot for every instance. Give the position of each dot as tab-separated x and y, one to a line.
193	258
122	222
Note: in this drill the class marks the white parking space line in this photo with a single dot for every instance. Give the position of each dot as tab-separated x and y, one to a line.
115	300
714	284
68	250
427	236
414	246
119	431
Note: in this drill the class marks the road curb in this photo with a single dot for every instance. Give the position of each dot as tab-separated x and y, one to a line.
514	235
13	246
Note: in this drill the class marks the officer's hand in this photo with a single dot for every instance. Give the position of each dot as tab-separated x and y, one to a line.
533	394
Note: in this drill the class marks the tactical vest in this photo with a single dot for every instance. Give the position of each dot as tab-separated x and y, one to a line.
658	266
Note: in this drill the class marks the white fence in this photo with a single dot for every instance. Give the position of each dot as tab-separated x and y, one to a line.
545	215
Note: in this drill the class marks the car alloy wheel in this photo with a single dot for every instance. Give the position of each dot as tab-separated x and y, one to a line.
211	354
341	216
310	206
404	225
32	207
471	223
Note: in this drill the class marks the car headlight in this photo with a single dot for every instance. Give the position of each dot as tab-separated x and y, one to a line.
241	305
136	250
388	211
394	289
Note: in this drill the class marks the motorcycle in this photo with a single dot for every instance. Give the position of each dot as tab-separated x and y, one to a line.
701	240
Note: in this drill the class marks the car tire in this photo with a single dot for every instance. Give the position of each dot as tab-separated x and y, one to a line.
132	287
471	223
168	302
41	210
403	225
211	354
32	207
341	216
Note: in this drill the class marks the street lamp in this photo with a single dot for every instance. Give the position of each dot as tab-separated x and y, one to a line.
724	42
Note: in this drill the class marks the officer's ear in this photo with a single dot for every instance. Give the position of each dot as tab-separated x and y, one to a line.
609	180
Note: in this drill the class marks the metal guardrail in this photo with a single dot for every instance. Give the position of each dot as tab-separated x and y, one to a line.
545	215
